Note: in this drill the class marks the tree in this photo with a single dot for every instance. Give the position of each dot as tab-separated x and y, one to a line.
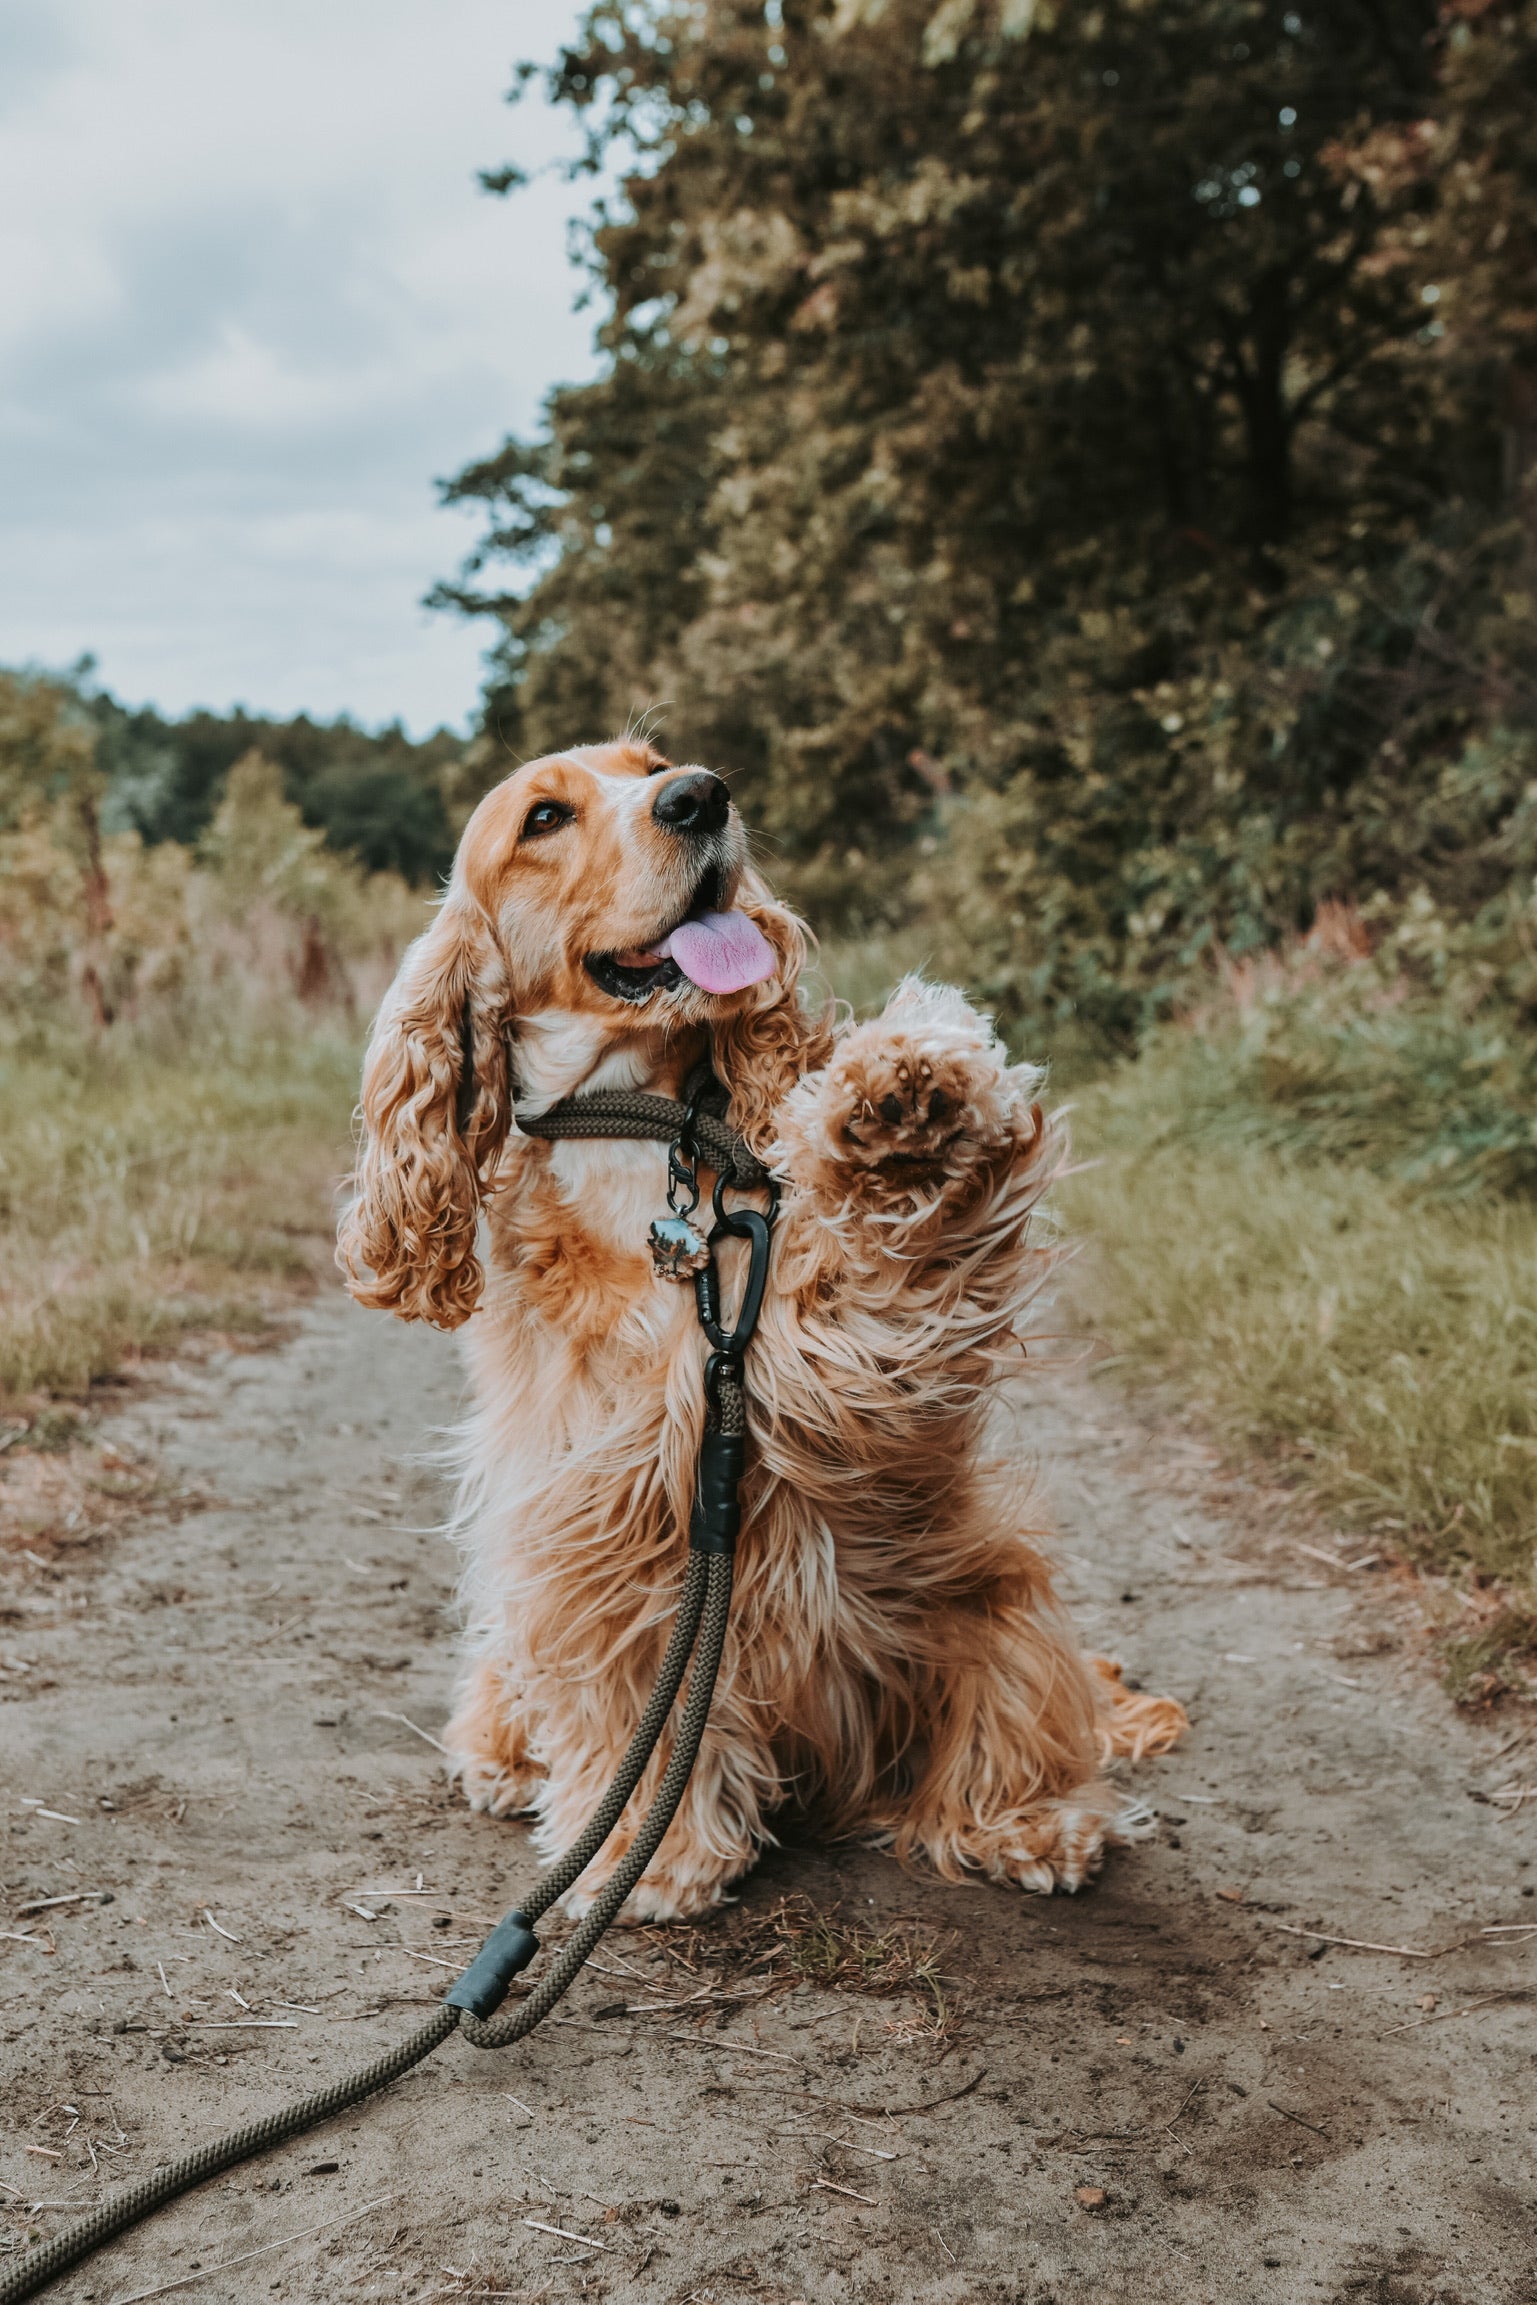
1027	434
377	796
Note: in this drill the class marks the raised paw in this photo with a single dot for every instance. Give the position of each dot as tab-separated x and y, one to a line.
902	1108
921	1097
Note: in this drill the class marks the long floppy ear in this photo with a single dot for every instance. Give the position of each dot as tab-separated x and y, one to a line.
763	1049
436	1108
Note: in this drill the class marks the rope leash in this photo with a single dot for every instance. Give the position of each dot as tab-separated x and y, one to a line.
696	1136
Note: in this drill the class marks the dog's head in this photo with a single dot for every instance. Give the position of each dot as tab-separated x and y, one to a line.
602	890
608	876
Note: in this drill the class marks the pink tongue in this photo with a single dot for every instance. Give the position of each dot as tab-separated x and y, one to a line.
721	952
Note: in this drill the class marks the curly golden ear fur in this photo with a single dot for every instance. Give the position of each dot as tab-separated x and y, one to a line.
407	1243
772	1040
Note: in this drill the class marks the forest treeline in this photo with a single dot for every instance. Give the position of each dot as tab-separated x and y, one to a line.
159	874
379	796
1072	464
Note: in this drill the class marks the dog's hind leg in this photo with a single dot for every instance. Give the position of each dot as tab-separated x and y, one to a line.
489	1749
1133	1726
1010	1784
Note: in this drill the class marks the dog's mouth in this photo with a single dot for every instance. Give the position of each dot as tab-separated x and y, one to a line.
717	950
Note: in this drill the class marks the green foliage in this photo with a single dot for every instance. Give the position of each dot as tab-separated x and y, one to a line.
1071	464
264	918
47	751
1415	1093
1413	1060
259	855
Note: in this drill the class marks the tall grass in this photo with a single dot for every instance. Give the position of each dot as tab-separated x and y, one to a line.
1436	1090
1372	1335
1377	1343
179	1035
149	1189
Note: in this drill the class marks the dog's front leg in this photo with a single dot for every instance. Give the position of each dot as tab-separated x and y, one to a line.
717	1832
489	1739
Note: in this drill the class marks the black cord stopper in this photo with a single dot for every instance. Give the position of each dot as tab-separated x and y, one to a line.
506	1952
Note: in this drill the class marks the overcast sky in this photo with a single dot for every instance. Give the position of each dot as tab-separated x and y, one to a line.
252	304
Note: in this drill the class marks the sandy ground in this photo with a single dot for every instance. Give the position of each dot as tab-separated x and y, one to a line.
1160	2090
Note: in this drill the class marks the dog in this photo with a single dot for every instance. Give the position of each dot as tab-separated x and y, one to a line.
896	1662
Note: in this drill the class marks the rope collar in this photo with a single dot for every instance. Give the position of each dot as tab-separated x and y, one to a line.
623	1112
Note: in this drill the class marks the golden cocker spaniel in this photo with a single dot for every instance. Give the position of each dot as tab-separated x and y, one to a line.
895	1657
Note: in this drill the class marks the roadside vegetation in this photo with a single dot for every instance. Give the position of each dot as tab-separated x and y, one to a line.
1310	1210
179	1035
151	1189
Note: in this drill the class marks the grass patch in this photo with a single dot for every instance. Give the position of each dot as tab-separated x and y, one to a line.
1411	1089
146	1190
1372	1340
845	1957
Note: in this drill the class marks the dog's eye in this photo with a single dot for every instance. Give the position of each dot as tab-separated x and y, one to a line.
545	816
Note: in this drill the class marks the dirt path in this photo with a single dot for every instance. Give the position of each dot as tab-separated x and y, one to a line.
212	1703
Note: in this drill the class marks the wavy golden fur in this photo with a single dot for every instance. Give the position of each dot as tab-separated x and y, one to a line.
896	1658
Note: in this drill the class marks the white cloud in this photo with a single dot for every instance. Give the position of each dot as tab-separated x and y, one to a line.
252	305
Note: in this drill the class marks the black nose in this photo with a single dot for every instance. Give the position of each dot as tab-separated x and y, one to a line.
698	802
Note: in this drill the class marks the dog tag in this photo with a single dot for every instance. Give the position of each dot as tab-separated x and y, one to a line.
677	1251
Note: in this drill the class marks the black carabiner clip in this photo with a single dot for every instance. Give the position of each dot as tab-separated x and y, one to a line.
756	1227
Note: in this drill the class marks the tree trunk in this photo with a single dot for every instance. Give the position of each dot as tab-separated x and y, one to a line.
1267	419
314	974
